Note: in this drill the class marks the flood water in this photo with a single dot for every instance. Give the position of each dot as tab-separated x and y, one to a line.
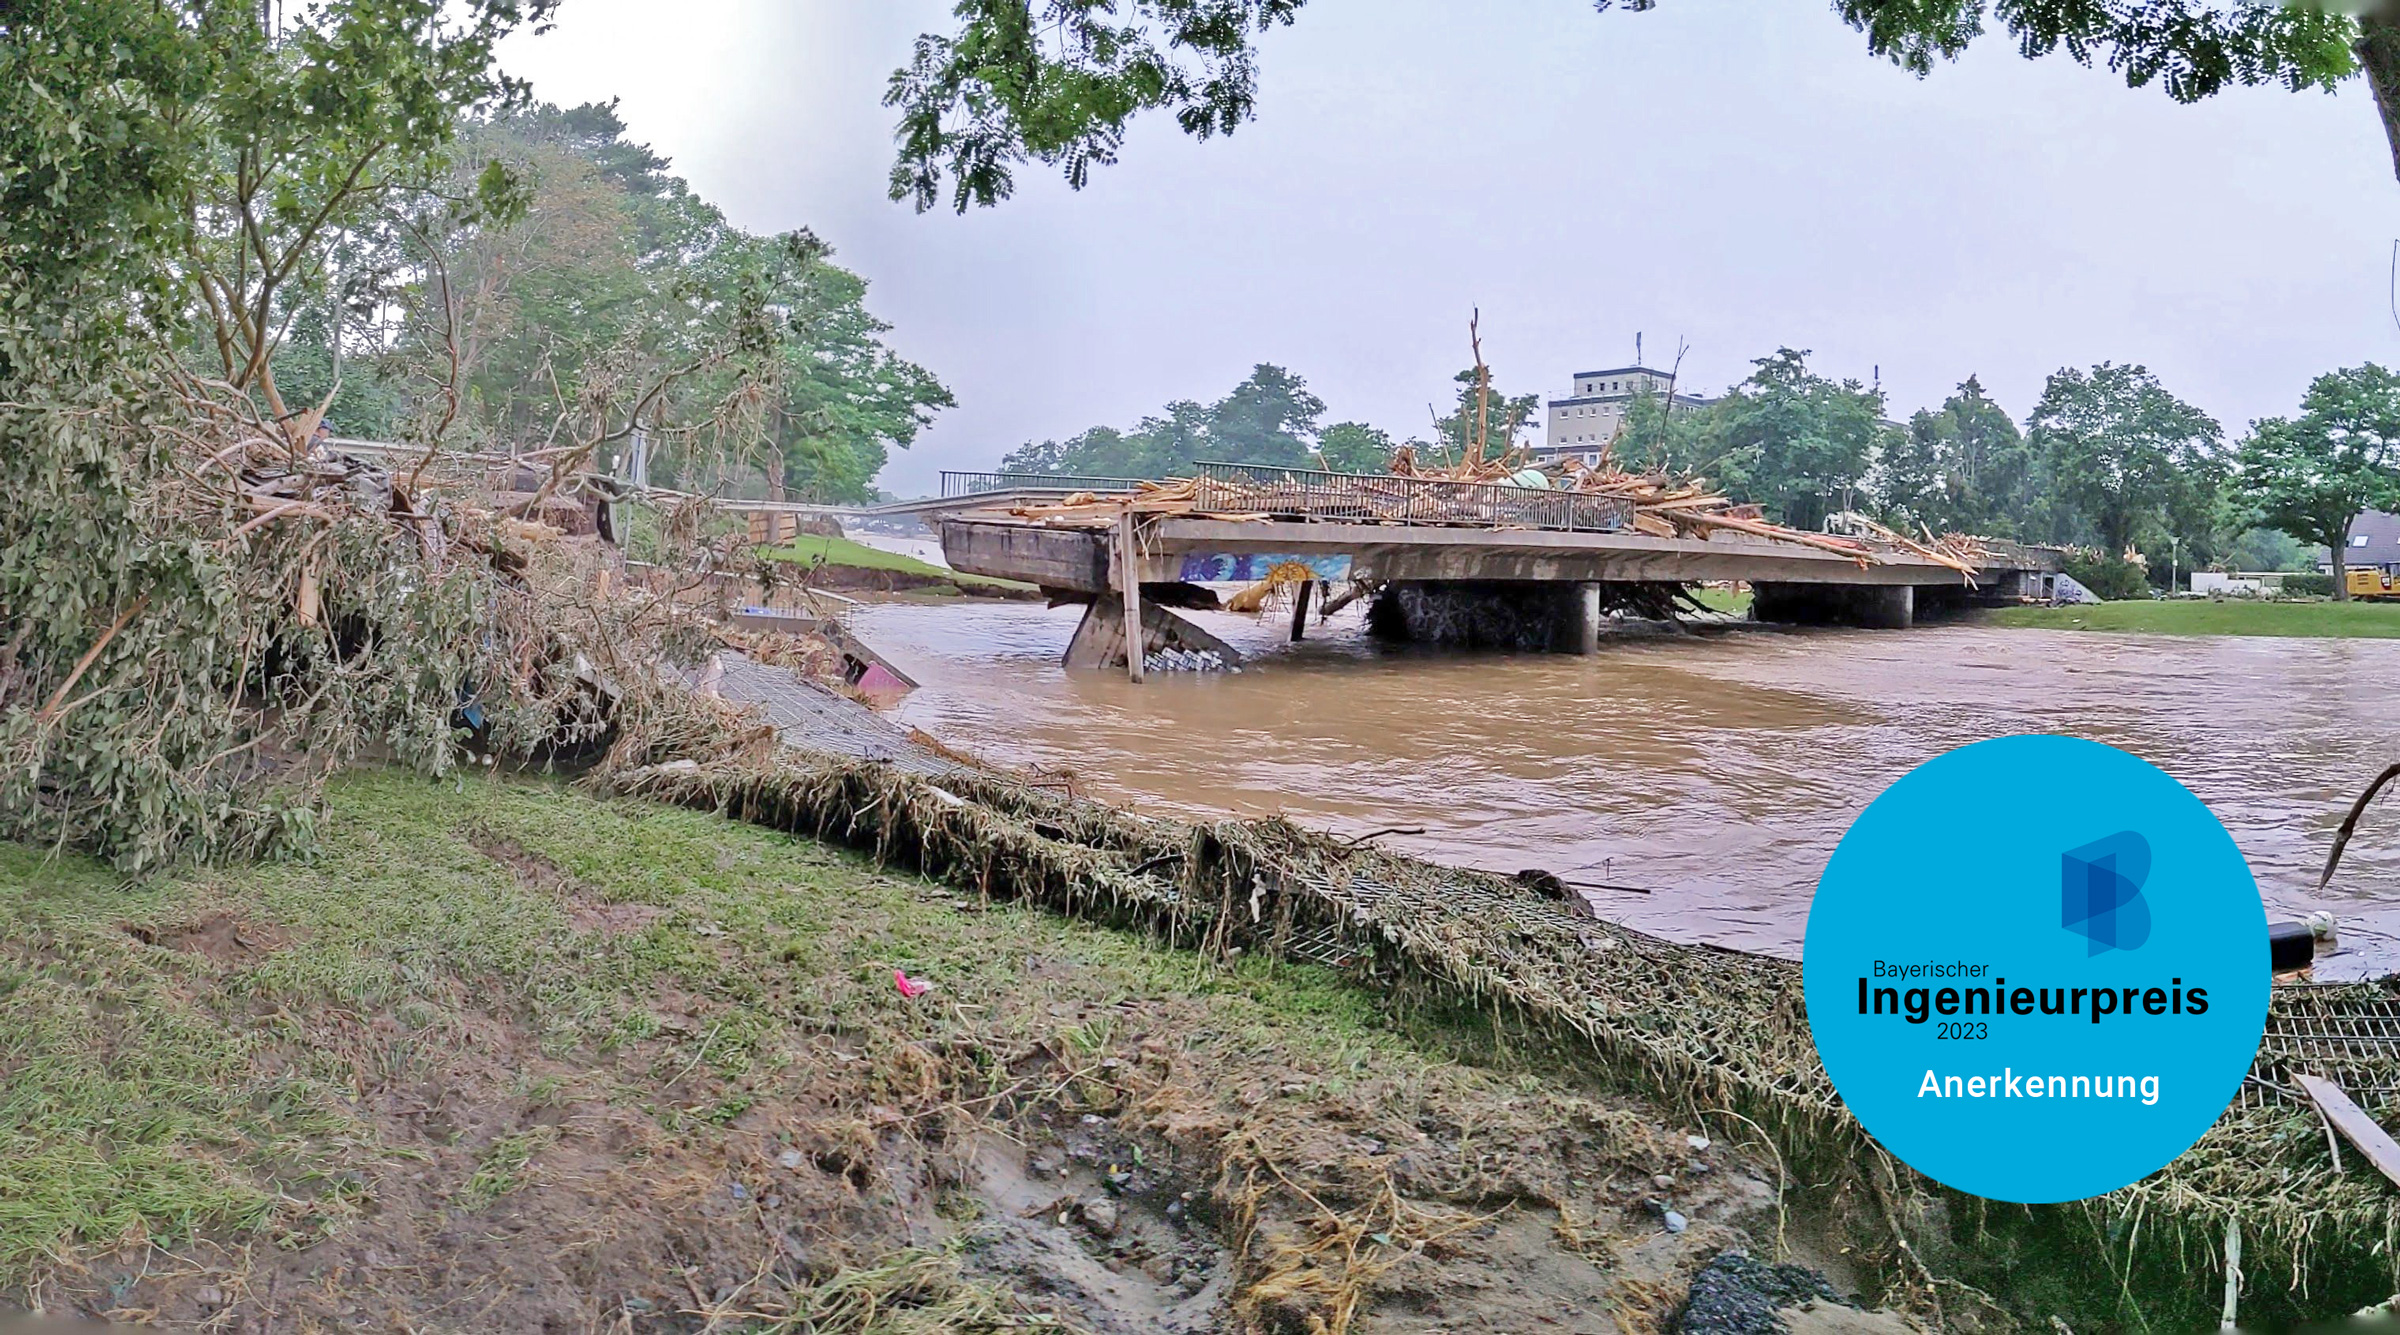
1716	771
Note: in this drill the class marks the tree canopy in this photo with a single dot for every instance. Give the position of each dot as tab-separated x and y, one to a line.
1269	418
2124	451
1057	82
2312	476
1792	440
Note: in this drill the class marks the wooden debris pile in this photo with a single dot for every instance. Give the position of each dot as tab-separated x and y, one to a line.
1500	493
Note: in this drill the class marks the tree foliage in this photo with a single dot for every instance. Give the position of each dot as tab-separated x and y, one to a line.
143	175
1355	447
1269	418
1791	440
2126	453
206	202
1059	83
2312	476
1060	86
613	271
1965	468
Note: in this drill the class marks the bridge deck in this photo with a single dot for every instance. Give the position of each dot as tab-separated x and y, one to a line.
1077	559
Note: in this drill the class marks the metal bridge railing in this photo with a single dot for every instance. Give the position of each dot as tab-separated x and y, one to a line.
1381	498
956	485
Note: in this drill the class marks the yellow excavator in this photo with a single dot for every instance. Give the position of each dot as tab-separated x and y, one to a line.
2372	584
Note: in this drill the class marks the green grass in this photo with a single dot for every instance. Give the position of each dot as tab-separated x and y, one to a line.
2208	617
1731	602
810	548
202	1054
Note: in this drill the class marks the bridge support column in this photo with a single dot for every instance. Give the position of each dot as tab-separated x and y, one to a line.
1581	634
1875	606
1539	615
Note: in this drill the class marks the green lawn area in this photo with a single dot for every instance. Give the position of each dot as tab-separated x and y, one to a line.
811	548
1731	602
2207	617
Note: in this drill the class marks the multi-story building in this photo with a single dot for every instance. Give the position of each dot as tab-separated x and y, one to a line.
1583	422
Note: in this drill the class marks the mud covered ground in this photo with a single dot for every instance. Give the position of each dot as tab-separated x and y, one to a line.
506	1057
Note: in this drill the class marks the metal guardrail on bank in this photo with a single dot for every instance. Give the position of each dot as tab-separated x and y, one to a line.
956	484
1382	498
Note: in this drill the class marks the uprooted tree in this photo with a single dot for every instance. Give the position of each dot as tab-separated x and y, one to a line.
203	615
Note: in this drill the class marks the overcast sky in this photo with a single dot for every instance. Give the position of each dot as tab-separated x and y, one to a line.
1740	176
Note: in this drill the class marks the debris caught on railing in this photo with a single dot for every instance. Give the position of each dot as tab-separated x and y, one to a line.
1497	493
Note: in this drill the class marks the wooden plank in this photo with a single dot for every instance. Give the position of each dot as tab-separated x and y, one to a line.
1129	578
2354	1124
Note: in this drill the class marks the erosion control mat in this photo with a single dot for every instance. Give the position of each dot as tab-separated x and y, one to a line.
1712	1031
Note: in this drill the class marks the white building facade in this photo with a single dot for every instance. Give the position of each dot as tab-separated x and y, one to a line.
1583	423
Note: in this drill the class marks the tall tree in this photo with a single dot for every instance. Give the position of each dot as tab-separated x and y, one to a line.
2123	451
1963	468
1792	440
2312	476
1059	81
332	122
618	266
1269	418
1355	447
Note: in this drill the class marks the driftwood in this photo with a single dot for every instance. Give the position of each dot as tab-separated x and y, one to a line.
1661	507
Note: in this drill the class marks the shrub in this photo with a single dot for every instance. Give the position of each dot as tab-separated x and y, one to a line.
2320	585
2111	577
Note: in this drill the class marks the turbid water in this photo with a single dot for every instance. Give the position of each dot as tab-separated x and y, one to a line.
1716	771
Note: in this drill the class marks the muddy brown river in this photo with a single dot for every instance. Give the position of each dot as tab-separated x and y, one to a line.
1717	771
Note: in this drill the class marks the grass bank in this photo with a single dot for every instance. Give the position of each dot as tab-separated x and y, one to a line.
848	563
2200	616
508	1056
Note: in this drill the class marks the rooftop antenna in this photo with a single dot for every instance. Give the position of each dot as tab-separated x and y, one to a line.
1637	347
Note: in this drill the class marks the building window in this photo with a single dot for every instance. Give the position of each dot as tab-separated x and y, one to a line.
2358	539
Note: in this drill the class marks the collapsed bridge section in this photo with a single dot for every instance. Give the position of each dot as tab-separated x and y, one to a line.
1552	565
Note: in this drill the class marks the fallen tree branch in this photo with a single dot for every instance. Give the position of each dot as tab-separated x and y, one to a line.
52	711
2341	837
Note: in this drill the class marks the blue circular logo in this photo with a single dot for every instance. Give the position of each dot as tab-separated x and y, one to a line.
2036	969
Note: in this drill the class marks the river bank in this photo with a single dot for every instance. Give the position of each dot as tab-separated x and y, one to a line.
508	1056
2206	616
633	1054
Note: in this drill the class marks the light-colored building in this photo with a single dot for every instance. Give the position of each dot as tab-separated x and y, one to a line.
1582	423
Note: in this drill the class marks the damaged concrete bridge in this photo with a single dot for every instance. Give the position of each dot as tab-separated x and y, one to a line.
1544	572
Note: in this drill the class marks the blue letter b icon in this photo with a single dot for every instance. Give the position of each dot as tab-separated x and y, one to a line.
2100	892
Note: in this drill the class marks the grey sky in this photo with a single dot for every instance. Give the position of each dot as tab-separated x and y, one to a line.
1740	175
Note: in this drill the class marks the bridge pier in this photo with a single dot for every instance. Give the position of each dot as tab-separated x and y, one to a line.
1556	617
1583	611
1099	640
1876	606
